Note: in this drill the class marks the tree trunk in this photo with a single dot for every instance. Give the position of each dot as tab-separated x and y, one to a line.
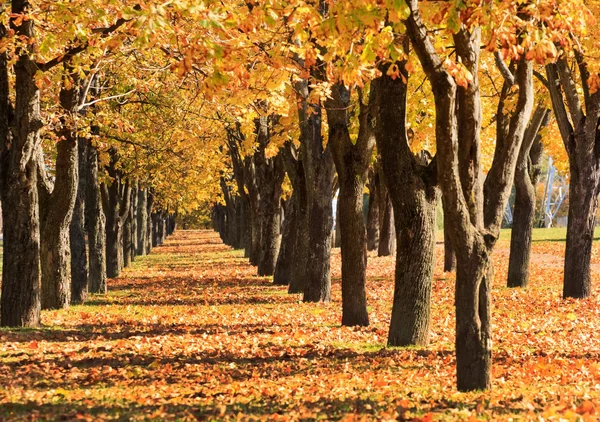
583	204
319	176
581	137
134	219
449	254
526	177
57	200
373	215
352	161
116	200
19	137
289	243
270	174
127	239
96	225
79	270
150	222
387	234
411	186
142	223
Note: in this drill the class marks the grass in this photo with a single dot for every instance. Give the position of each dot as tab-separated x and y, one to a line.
554	234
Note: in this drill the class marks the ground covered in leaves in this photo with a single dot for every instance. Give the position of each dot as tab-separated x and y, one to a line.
190	332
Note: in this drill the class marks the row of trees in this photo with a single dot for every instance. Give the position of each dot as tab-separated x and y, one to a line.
298	95
352	91
93	167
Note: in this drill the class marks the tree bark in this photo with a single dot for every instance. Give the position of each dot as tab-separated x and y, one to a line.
79	264
289	243
411	186
142	221
387	240
134	219
319	172
116	201
270	173
352	161
20	299
57	200
526	178
475	216
373	214
449	254
295	170
150	222
95	225
581	137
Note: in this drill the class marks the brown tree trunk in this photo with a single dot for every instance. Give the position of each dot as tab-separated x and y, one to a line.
583	204
96	225
352	161
526	177
387	240
319	171
289	242
57	200
581	136
133	216
20	299
142	223
295	170
449	254
475	216
79	270
373	214
150	222
411	186
116	202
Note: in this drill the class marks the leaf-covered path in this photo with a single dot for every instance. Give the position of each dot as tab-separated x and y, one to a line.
190	333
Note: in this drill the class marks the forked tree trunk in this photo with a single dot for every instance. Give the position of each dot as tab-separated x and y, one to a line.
319	171
352	161
526	177
475	216
96	225
57	200
79	268
412	189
